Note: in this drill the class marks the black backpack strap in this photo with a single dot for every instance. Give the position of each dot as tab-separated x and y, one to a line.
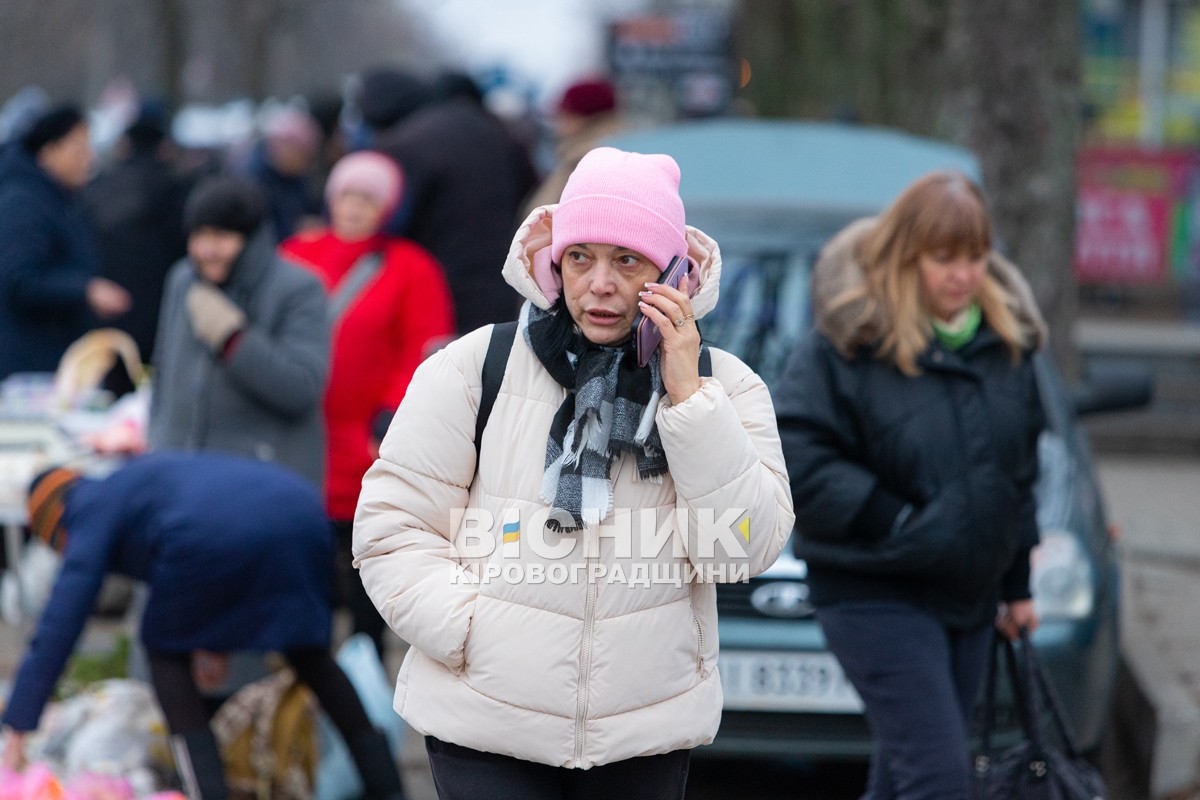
503	336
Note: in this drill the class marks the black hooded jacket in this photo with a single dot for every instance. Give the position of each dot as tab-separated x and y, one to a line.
956	445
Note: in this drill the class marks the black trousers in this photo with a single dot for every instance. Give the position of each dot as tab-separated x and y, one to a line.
185	709
351	595
460	773
919	681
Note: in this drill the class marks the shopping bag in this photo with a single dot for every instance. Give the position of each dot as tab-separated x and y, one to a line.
337	777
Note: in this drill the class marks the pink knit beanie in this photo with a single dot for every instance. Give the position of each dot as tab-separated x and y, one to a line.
370	173
624	199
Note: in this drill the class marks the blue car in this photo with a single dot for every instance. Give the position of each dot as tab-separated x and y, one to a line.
772	193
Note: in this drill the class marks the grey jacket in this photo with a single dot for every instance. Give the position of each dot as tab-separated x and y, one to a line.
265	399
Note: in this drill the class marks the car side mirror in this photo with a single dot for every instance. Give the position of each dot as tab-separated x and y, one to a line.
1112	386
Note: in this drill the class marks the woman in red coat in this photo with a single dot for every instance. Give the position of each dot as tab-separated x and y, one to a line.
390	307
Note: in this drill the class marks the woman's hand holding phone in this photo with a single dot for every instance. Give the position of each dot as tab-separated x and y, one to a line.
680	362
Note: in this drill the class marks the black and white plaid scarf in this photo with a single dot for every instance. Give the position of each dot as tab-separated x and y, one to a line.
609	409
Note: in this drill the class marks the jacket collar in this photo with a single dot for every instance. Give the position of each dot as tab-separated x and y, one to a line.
939	358
252	263
839	270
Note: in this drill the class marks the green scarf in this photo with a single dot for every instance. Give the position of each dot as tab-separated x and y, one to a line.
961	330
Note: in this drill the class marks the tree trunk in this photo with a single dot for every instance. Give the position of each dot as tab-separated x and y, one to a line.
175	44
1000	77
1020	96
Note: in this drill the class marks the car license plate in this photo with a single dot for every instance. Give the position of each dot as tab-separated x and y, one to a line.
771	681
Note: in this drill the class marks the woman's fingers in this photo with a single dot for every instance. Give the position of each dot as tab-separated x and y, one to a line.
666	307
671	303
672	295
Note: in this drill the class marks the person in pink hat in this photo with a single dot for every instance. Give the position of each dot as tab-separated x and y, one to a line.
547	531
390	307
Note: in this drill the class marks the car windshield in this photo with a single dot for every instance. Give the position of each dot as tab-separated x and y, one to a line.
763	310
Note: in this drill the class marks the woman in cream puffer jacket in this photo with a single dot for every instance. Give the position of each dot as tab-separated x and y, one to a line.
612	654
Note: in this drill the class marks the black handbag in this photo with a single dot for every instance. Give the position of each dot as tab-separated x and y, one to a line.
1032	769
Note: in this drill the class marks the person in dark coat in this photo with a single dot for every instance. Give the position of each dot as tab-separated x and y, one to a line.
136	210
284	164
50	291
465	179
910	419
243	341
236	554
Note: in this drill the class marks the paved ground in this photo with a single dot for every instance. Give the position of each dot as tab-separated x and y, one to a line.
1156	503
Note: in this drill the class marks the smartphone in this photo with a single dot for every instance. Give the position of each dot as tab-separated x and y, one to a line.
646	336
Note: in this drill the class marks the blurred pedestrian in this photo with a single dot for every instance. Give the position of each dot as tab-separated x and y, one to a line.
584	117
910	422
328	112
390	307
285	165
243	340
135	207
465	179
236	556
50	291
597	686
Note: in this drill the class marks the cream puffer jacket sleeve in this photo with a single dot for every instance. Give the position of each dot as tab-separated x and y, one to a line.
727	463
403	540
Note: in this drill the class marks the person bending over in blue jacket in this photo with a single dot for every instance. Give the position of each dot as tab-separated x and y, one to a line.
237	555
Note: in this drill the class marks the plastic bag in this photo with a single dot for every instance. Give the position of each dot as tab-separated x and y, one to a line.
113	728
337	777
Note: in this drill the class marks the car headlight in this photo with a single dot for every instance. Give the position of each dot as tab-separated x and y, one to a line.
1061	577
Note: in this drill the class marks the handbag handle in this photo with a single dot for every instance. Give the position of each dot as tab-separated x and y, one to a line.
1024	698
989	699
1026	695
1050	699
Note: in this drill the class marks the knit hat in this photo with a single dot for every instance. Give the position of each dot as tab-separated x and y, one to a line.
370	173
150	127
51	127
225	202
624	199
46	504
586	98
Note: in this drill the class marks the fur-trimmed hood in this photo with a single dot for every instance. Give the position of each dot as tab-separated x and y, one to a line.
527	268
838	270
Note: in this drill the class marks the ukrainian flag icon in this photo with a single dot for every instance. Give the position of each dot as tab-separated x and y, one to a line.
511	532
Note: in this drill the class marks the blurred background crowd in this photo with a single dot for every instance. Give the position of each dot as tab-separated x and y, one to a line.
126	122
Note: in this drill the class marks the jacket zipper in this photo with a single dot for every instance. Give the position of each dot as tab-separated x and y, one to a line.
699	643
585	658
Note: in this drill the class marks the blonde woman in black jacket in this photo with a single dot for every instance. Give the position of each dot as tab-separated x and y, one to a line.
910	421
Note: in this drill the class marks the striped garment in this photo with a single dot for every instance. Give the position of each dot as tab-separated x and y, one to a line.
609	409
